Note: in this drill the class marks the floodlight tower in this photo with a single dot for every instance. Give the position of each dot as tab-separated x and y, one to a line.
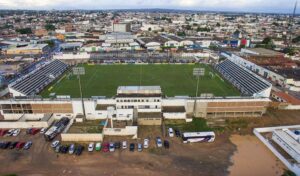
197	72
80	71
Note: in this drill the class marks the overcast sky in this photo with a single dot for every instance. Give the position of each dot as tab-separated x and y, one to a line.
280	6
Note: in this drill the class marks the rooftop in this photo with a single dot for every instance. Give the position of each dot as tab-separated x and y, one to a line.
139	90
289	140
262	52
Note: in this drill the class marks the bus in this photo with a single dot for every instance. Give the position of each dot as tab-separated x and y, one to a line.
208	136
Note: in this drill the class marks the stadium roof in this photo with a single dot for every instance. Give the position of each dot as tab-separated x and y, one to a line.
246	81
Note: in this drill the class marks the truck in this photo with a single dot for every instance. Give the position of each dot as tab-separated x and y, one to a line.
56	128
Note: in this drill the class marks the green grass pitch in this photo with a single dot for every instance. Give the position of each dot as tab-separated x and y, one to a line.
175	80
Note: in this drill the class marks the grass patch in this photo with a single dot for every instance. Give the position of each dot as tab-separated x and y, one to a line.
90	126
103	80
197	125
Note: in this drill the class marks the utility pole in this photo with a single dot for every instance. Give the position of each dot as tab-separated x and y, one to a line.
197	72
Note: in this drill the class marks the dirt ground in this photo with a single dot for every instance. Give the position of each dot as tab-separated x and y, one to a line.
207	159
180	159
253	158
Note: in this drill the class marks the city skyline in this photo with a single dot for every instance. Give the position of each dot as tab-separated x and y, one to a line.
267	6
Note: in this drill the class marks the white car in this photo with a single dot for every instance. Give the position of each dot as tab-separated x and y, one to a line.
146	143
158	142
91	147
140	147
43	130
55	144
111	147
16	132
124	145
72	149
10	132
171	132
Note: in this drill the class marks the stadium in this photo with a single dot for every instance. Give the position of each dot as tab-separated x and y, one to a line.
174	79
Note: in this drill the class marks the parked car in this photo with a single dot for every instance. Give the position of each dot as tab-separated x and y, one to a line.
124	144
146	143
91	147
166	144
13	145
72	149
117	145
20	145
55	144
105	147
10	132
3	132
111	147
177	133
158	142
2	144
27	145
6	145
43	130
131	147
79	150
171	132
140	147
57	148
32	131
16	132
64	149
98	146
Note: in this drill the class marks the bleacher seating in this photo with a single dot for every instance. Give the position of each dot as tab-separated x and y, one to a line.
38	79
246	81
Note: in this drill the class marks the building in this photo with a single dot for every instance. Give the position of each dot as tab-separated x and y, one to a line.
270	65
121	27
289	141
32	49
145	101
143	105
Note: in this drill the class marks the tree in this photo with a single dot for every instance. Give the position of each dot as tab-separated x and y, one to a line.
50	43
24	31
50	27
290	51
149	29
266	43
288	173
203	29
182	34
296	40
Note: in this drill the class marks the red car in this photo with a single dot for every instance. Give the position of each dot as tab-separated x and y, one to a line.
34	131
20	145
3	132
105	147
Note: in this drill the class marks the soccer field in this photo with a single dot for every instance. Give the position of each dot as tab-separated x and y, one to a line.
175	80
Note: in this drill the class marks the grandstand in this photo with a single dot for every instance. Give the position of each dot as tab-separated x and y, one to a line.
247	82
38	79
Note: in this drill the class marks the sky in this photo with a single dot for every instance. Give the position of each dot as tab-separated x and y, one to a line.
270	6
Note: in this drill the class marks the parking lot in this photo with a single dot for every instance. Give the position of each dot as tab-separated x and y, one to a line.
179	159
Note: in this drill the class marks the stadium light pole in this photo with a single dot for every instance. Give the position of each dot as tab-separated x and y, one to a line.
80	71
197	72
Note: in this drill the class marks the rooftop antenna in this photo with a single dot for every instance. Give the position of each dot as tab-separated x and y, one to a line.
292	23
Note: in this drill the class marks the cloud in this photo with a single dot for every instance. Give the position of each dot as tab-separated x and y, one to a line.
241	5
